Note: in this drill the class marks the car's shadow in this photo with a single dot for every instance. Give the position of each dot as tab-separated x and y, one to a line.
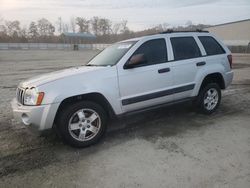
163	122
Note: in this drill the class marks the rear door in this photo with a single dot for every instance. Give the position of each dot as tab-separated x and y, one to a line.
215	53
187	61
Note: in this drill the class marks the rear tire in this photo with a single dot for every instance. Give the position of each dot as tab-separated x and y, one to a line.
209	98
82	124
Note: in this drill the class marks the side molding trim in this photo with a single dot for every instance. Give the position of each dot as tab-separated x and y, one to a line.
157	94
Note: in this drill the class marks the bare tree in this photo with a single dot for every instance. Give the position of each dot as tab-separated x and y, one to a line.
60	25
73	24
33	30
95	25
23	34
120	28
83	24
13	28
101	26
45	28
116	28
65	28
104	26
124	27
1	20
162	27
3	29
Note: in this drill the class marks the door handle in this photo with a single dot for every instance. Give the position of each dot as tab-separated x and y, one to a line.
163	70
201	63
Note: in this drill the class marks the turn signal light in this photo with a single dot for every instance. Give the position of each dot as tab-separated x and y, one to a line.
40	98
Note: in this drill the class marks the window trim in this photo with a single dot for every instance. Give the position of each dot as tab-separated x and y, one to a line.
200	53
144	65
224	51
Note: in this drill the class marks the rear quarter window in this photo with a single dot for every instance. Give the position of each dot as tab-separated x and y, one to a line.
211	46
185	48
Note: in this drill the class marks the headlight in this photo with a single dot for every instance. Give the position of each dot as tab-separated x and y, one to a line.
32	97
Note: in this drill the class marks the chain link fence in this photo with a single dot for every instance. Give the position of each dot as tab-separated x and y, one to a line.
51	46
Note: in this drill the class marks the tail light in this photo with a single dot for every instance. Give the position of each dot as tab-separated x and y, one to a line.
230	60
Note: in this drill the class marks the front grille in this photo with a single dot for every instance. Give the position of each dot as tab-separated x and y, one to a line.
20	95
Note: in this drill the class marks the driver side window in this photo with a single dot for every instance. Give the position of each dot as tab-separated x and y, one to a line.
154	52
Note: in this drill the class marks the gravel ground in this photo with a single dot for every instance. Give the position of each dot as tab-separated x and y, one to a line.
170	147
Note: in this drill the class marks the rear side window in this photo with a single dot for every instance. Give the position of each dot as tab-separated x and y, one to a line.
212	47
185	48
155	51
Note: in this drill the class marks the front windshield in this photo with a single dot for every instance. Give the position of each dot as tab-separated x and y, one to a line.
112	54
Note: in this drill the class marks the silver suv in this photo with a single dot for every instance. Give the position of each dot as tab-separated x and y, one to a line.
129	76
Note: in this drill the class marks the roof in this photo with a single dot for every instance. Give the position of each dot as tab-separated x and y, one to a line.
80	35
230	23
171	34
179	31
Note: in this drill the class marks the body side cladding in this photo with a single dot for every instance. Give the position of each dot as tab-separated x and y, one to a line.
151	108
157	94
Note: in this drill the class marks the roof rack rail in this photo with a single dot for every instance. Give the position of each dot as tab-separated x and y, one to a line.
174	31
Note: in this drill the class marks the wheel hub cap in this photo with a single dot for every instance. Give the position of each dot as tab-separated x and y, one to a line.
84	124
211	99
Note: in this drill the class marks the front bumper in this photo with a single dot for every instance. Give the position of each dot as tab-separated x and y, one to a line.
38	117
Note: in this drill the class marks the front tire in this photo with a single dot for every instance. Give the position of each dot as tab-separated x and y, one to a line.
82	124
209	98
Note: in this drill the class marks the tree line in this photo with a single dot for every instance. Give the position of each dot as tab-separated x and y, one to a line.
105	31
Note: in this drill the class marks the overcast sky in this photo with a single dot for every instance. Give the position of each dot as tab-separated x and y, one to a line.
141	14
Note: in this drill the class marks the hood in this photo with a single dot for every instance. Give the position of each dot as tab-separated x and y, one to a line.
50	77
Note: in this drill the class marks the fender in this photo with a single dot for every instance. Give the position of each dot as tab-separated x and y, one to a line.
201	75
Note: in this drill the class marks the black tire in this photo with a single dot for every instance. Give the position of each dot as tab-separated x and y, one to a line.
203	94
67	114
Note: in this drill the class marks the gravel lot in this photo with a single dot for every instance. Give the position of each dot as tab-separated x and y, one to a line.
170	147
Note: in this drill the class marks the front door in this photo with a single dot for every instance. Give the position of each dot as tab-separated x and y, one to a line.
149	83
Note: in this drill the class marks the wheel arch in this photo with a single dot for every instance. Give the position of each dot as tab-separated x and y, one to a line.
94	97
213	78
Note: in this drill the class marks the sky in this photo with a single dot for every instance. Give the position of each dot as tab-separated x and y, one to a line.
140	14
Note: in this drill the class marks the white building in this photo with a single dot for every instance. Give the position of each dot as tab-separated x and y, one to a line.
233	33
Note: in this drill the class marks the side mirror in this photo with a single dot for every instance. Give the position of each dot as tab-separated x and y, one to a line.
136	60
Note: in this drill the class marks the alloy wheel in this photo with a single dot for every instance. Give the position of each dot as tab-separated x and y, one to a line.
84	124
